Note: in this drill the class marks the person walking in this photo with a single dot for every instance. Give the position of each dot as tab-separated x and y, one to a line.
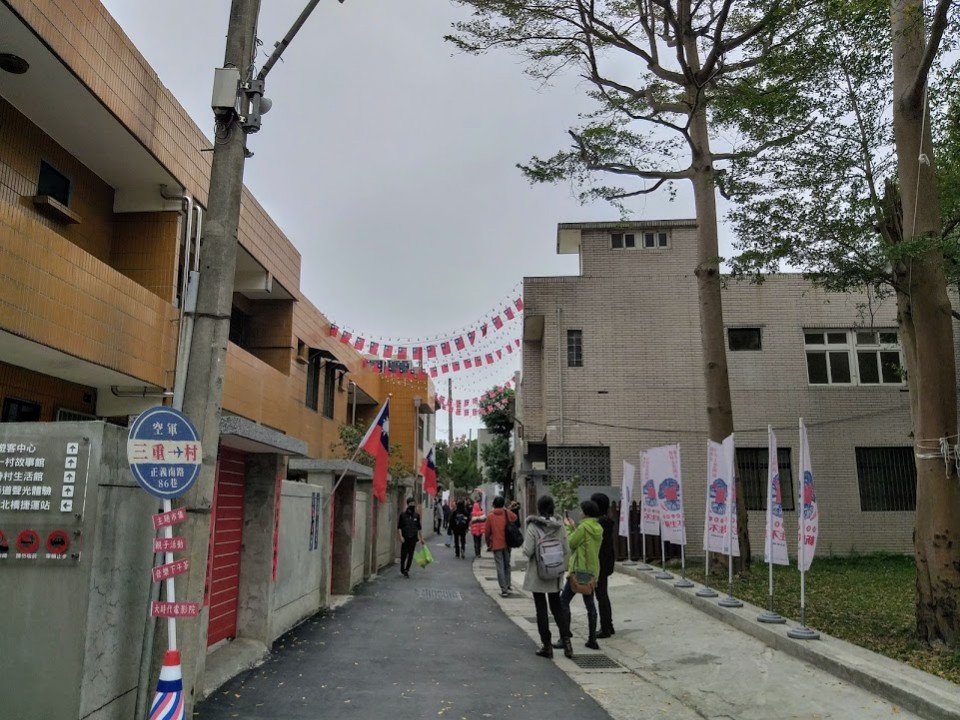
496	537
410	532
459	522
546	591
607	562
585	540
478	526
437	516
447	512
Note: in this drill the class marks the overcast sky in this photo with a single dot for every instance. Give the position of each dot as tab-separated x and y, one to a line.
388	159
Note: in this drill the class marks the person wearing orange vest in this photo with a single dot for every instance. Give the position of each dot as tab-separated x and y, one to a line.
478	526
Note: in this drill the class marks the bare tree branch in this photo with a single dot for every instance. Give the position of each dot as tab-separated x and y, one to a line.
756	150
937	28
592	163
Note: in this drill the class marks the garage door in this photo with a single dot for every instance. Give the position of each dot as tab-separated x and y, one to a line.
225	546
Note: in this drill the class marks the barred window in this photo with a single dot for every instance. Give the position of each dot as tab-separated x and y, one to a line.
574	348
752	468
887	477
590	463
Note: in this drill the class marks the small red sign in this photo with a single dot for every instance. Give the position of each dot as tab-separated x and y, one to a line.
170	570
170	544
177	515
4	547
174	609
58	542
28	541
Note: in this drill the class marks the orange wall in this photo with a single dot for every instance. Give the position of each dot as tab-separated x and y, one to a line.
50	392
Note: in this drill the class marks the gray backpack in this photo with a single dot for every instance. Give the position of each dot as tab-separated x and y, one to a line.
549	554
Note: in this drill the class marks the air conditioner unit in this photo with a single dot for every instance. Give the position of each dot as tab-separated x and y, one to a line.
303	354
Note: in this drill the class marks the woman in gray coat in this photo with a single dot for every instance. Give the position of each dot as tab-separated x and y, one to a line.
546	524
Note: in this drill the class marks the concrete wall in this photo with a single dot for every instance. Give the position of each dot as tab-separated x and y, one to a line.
81	623
387	548
302	572
361	538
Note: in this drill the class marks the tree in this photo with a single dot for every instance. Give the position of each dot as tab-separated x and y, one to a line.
498	461
497	410
656	68
856	205
462	471
565	495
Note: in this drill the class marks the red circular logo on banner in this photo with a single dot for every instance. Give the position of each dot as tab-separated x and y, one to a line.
28	541
57	542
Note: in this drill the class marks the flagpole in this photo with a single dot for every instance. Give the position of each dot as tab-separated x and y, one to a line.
347	467
644	566
769	616
663	574
682	582
707	591
802	632
730	601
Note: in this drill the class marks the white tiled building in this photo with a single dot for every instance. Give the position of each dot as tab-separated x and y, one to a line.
627	374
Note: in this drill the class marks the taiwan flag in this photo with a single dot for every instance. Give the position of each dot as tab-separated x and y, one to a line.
360	342
377	443
458	343
483	330
418	353
489	359
497	322
374	347
429	471
444	369
445	348
508	312
334	330
467	363
431	352
433	371
519	303
472	336
402	353
345	337
388	351
456	366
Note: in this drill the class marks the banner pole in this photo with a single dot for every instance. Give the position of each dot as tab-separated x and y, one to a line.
682	582
707	591
730	601
802	632
769	616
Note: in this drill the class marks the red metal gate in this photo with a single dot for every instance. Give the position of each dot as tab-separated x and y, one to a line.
225	545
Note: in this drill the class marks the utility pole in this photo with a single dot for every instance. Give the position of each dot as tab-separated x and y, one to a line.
450	415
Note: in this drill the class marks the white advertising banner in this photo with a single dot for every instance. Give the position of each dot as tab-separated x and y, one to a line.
775	542
721	512
649	505
626	497
665	472
810	515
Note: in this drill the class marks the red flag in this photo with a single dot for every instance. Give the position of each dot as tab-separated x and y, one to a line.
388	351
429	471
345	337
360	342
519	303
467	363
418	353
444	369
445	348
456	366
377	443
497	322
478	361
509	349
401	353
374	346
433	371
363	362
516	341
431	351
458	343
471	336
509	313
499	354
334	330
489	359
483	330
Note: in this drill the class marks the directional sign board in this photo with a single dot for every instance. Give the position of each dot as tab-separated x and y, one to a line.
163	449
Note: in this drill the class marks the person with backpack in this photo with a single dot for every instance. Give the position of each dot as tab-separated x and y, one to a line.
584	567
478	526
459	522
548	551
607	562
496	536
410	532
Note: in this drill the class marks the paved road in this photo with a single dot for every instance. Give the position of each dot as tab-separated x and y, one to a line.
435	645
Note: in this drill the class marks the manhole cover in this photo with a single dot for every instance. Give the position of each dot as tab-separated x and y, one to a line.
438	594
595	662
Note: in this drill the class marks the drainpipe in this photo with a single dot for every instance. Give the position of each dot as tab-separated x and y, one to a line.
560	370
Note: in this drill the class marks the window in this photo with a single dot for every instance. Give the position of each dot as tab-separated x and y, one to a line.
329	388
20	411
743	339
53	183
623	240
752	468
656	240
574	348
239	327
313	379
589	463
853	357
662	240
887	477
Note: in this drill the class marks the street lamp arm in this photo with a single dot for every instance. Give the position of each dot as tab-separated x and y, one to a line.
282	45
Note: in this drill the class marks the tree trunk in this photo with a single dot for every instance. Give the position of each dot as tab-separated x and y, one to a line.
927	331
716	379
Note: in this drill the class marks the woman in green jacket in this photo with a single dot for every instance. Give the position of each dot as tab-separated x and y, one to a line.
585	540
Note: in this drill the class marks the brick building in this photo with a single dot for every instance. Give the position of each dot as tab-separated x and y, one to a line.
612	365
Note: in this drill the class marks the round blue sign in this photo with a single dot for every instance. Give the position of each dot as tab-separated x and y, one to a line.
163	449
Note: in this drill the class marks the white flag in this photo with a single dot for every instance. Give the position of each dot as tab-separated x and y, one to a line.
665	473
810	513
775	542
626	497
649	505
721	513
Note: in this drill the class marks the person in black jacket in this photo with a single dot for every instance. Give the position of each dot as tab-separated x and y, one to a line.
607	560
459	522
410	532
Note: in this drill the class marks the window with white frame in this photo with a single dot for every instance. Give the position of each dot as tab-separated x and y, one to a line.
618	241
853	357
656	240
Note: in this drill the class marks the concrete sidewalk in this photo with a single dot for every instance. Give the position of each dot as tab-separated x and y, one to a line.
681	656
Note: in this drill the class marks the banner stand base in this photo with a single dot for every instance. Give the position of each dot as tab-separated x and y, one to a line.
706	592
683	583
730	602
643	567
663	575
802	632
629	563
771	618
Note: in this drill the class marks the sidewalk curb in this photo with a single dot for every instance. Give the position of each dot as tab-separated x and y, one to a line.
922	693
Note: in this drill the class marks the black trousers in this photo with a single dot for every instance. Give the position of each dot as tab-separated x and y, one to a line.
603	603
460	543
477	540
406	554
560	617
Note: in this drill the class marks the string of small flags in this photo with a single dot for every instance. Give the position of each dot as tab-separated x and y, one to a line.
490	401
